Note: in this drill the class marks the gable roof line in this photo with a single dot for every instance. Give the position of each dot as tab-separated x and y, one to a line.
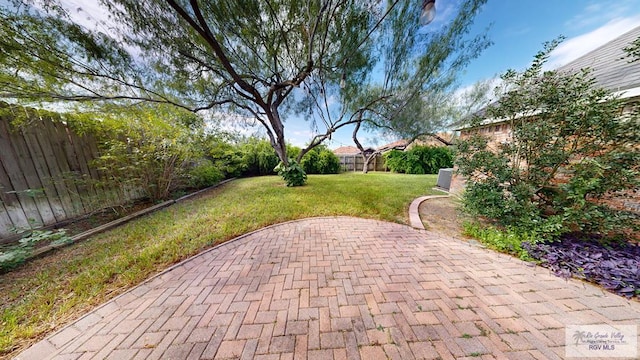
599	48
610	69
628	93
609	64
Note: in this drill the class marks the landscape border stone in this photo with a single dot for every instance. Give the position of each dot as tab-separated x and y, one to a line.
122	220
414	213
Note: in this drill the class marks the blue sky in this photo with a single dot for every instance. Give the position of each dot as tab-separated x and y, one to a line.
520	27
518	30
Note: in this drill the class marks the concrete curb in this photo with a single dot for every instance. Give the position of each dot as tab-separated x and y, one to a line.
414	212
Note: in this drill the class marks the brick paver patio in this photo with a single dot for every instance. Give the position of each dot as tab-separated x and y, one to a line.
341	288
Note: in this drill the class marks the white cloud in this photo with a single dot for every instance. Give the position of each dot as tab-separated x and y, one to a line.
601	12
577	46
299	138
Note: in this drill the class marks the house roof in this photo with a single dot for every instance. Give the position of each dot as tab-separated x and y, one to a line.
400	144
440	138
422	140
610	68
346	150
610	65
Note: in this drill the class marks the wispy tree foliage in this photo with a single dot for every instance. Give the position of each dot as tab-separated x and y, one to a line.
337	62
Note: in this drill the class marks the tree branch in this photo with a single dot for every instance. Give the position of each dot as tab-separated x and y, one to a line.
203	29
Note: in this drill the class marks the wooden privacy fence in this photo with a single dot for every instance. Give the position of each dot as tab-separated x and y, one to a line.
46	173
356	163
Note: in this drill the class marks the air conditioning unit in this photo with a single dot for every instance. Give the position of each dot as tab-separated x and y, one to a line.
444	179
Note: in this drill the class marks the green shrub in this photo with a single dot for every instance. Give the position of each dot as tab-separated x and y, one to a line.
309	162
148	148
320	160
204	174
328	162
396	161
14	254
222	150
293	174
561	161
259	158
414	163
420	160
507	241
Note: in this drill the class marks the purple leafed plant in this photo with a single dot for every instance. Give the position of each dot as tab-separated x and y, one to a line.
615	266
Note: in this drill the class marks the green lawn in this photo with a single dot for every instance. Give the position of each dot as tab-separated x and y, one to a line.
52	293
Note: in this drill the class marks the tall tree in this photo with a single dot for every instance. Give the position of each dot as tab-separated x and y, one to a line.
339	62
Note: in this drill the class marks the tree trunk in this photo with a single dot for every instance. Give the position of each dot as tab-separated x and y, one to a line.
365	166
277	137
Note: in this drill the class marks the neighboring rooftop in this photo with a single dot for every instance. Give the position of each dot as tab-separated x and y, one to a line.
610	65
346	150
399	145
439	139
402	144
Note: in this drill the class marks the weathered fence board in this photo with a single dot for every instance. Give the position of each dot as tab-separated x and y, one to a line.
44	140
47	173
75	174
66	177
5	222
42	170
7	196
22	212
77	163
81	165
32	178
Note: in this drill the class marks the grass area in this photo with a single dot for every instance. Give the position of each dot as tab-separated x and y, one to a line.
47	293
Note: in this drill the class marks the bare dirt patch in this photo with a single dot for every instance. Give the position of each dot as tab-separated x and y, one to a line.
443	215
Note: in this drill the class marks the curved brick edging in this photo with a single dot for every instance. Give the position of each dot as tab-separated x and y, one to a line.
414	210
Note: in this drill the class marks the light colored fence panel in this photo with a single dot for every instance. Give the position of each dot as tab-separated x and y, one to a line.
44	175
33	180
356	163
44	139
